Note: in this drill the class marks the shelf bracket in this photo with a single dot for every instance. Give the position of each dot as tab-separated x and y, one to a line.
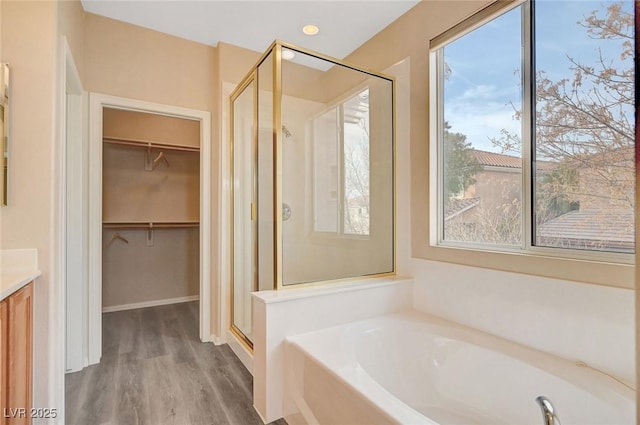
148	160
150	235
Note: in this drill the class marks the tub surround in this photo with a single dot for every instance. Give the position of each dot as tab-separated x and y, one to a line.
279	314
18	267
574	320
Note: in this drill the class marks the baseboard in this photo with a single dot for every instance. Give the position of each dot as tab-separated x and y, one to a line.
217	340
73	370
259	414
241	352
150	303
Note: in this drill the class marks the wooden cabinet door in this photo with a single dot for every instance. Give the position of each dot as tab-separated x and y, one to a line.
20	353
4	343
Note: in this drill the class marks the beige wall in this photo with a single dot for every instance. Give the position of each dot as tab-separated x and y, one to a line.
134	62
71	25
235	62
130	61
134	272
29	45
29	39
301	81
166	194
121	124
409	36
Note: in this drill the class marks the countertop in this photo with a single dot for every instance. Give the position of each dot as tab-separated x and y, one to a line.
18	267
292	292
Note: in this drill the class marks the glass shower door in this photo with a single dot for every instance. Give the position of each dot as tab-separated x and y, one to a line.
244	214
252	141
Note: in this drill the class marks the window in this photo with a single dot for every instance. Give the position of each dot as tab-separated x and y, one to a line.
535	128
341	167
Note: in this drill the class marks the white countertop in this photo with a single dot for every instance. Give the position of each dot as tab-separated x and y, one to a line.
17	268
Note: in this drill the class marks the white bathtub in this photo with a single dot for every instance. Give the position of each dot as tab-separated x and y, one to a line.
412	368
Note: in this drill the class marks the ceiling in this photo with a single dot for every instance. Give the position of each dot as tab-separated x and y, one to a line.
344	25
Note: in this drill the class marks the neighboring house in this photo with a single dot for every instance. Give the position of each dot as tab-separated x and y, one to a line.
603	220
607	179
606	198
478	214
602	229
499	183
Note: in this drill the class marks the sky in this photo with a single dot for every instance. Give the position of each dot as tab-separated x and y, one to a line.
485	65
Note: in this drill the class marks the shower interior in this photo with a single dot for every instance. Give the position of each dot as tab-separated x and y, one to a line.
312	157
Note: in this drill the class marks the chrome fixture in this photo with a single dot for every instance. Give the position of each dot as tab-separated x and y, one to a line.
286	212
549	415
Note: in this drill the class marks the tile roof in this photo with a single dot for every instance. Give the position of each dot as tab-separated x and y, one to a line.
492	159
605	229
457	206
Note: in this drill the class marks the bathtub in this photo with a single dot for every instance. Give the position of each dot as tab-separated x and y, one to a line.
411	368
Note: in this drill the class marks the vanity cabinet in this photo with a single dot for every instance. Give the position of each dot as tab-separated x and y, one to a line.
16	344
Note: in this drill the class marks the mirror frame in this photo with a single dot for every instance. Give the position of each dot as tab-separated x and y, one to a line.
4	133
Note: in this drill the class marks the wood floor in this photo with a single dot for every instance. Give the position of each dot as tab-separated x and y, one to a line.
155	371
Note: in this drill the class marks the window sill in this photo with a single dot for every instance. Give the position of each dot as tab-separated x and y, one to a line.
539	262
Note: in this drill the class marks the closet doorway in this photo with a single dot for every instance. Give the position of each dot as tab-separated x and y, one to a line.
150	210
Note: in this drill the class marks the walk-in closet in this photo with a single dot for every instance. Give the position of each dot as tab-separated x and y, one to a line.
150	209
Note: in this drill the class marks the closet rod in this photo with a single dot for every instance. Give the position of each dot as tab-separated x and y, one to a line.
131	225
146	144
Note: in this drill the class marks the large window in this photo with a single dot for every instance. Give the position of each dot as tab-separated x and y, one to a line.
341	167
535	128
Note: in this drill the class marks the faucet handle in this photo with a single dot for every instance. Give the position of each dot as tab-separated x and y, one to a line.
549	416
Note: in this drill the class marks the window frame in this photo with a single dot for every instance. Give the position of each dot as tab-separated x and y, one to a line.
436	143
336	105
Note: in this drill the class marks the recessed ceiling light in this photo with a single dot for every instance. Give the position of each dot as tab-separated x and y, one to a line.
310	29
287	54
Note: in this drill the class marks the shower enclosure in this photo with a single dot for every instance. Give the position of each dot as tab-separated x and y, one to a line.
312	157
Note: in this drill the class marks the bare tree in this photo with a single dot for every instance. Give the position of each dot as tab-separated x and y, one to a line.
499	224
356	178
584	123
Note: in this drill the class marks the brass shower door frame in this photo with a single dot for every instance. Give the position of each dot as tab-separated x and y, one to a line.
239	90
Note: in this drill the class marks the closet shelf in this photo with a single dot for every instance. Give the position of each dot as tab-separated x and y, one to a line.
148	144
150	225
